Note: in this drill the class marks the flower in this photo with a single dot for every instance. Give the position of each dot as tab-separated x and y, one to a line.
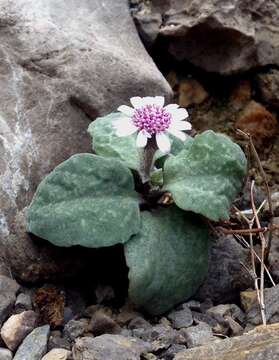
149	117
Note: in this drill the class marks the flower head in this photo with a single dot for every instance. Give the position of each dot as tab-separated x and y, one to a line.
148	117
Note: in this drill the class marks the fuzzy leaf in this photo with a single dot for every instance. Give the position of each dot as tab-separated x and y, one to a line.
206	177
106	143
87	200
167	259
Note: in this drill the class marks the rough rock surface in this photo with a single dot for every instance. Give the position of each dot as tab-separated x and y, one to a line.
5	354
261	344
216	35
8	290
198	335
57	354
34	346
62	64
226	276
108	347
271	296
17	327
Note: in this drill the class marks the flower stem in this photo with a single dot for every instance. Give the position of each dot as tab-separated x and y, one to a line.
147	159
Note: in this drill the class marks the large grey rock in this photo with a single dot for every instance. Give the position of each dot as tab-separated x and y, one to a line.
259	344
226	274
8	290
108	347
34	345
62	64
216	35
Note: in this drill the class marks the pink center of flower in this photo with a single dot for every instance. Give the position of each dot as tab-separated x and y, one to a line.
152	118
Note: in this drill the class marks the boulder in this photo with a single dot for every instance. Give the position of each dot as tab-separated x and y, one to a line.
226	274
62	64
261	344
225	37
109	347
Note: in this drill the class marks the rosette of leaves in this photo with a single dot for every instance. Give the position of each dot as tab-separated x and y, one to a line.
93	200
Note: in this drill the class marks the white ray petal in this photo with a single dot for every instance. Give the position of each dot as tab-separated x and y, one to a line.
142	139
137	102
171	107
159	100
124	127
127	110
163	142
180	125
179	114
179	134
148	100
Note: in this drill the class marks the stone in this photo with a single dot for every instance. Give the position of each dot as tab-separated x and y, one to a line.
5	354
100	323
257	121
75	328
191	92
148	356
126	314
204	317
193	305
148	26
226	275
159	336
34	346
57	354
181	318
17	327
227	310
235	328
23	303
53	84
235	36
56	340
109	347
262	343
248	298
8	290
268	86
172	351
198	335
139	323
271	296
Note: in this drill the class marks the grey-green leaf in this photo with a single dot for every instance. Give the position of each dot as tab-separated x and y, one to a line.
106	143
167	259
87	200
206	177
